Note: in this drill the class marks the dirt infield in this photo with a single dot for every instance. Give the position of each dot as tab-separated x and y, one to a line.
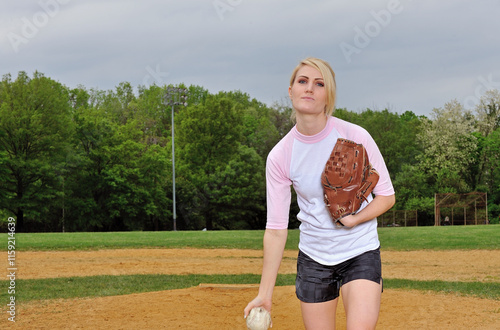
221	307
476	265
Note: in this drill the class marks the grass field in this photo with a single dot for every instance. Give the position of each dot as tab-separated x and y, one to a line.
99	286
398	239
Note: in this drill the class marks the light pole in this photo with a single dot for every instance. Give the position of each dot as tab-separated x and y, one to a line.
175	96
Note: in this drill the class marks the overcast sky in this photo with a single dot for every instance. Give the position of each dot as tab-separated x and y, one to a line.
401	55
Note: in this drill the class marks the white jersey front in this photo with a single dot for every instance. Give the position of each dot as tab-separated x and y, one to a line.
299	160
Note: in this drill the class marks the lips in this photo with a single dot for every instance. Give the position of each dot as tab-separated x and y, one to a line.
307	98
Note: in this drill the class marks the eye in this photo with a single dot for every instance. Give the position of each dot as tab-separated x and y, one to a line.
302	81
320	84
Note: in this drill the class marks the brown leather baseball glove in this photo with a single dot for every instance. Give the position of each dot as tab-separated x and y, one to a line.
348	179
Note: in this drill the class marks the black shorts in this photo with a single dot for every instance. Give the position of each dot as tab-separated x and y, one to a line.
319	283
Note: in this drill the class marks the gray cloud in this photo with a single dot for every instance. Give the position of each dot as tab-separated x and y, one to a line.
405	55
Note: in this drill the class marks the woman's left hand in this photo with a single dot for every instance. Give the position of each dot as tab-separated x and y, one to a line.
349	221
378	206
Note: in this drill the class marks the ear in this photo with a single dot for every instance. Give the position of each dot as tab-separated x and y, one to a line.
290	91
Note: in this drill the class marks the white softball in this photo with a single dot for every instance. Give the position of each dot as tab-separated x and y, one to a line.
258	319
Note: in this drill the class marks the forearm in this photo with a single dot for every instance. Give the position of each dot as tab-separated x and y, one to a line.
379	205
274	245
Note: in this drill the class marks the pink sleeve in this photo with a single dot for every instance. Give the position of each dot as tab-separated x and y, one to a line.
278	185
360	135
384	186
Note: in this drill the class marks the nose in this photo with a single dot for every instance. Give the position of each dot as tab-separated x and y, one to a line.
309	88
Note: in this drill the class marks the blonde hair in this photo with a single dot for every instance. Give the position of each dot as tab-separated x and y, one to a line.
328	78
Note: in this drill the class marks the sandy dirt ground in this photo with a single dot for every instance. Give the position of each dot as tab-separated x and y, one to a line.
221	306
476	265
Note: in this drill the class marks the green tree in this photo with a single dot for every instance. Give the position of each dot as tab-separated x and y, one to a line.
118	181
155	177
36	124
94	134
207	137
488	112
282	119
259	133
153	116
240	197
448	147
492	165
394	134
4	175
487	123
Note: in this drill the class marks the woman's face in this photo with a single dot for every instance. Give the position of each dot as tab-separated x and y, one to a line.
308	92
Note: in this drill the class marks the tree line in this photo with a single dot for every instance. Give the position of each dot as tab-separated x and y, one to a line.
79	159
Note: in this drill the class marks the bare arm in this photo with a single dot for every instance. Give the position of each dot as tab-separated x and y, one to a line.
274	245
378	206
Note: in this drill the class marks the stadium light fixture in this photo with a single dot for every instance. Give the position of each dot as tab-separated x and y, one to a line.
175	96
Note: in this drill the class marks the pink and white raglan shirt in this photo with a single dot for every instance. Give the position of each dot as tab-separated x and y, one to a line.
299	160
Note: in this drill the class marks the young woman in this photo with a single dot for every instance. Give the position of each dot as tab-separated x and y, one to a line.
331	258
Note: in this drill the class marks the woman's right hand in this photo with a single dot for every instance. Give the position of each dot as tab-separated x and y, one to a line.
257	302
274	245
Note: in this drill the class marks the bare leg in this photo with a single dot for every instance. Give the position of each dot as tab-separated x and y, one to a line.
362	303
319	316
